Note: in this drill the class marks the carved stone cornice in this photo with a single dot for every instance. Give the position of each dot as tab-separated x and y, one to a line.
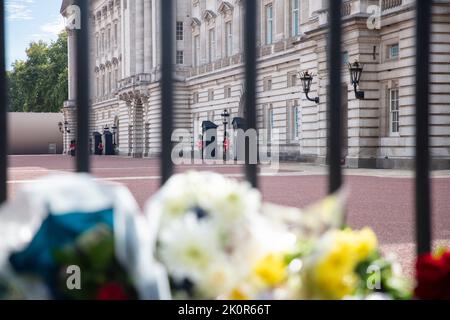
208	15
225	8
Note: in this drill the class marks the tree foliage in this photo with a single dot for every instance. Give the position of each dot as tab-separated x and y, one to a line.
39	84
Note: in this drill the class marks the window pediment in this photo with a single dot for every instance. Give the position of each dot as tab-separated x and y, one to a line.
195	23
225	7
208	15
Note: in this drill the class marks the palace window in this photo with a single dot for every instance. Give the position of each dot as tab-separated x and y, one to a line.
109	82
180	30
197	51
393	51
295	17
103	85
180	57
270	122
292	79
116	34
345	59
394	111
97	45
212	45
103	43
229	39
109	39
195	97
267	84
294	123
210	94
227	92
269	24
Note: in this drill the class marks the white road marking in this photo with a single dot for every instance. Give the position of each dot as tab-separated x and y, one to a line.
140	178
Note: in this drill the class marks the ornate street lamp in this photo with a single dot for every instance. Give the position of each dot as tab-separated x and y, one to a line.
306	79
225	120
356	70
66	126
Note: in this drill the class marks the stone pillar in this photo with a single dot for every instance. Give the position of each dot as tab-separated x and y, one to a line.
70	116
238	31
155	34
138	128
147	36
72	68
139	36
69	108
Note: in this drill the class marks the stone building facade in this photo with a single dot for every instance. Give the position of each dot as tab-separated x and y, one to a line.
292	37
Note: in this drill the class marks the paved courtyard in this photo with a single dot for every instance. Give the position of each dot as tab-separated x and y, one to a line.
381	199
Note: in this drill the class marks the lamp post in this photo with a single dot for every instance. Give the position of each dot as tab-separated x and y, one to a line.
225	121
66	126
356	70
306	79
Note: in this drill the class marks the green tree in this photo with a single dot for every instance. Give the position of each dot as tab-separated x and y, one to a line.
39	84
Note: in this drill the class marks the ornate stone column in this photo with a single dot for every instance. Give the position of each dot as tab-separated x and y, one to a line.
72	70
139	36
69	108
135	100
147	36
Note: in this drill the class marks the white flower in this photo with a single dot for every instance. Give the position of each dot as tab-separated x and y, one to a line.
188	247
221	277
224	199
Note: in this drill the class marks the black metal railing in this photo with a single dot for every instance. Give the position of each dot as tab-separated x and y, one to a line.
3	108
423	207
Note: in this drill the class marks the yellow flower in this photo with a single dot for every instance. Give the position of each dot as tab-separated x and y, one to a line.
237	294
333	276
271	269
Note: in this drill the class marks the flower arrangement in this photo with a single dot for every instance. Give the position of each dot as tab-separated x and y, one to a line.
217	240
433	276
69	237
71	240
203	236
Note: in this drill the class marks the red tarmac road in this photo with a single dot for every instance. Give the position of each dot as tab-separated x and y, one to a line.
383	203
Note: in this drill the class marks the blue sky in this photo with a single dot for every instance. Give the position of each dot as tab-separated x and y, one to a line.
30	20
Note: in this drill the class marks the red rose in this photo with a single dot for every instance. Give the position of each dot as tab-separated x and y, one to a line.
111	291
433	277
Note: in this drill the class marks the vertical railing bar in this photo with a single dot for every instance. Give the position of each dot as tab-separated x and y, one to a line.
166	88
83	77
334	97
423	189
250	84
3	108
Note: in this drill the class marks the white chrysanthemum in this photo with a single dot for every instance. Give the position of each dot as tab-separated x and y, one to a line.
225	199
188	247
220	278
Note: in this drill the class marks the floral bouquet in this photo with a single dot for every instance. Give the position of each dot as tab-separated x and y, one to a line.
70	237
217	240
433	276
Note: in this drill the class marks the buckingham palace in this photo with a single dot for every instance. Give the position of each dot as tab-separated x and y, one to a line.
377	70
